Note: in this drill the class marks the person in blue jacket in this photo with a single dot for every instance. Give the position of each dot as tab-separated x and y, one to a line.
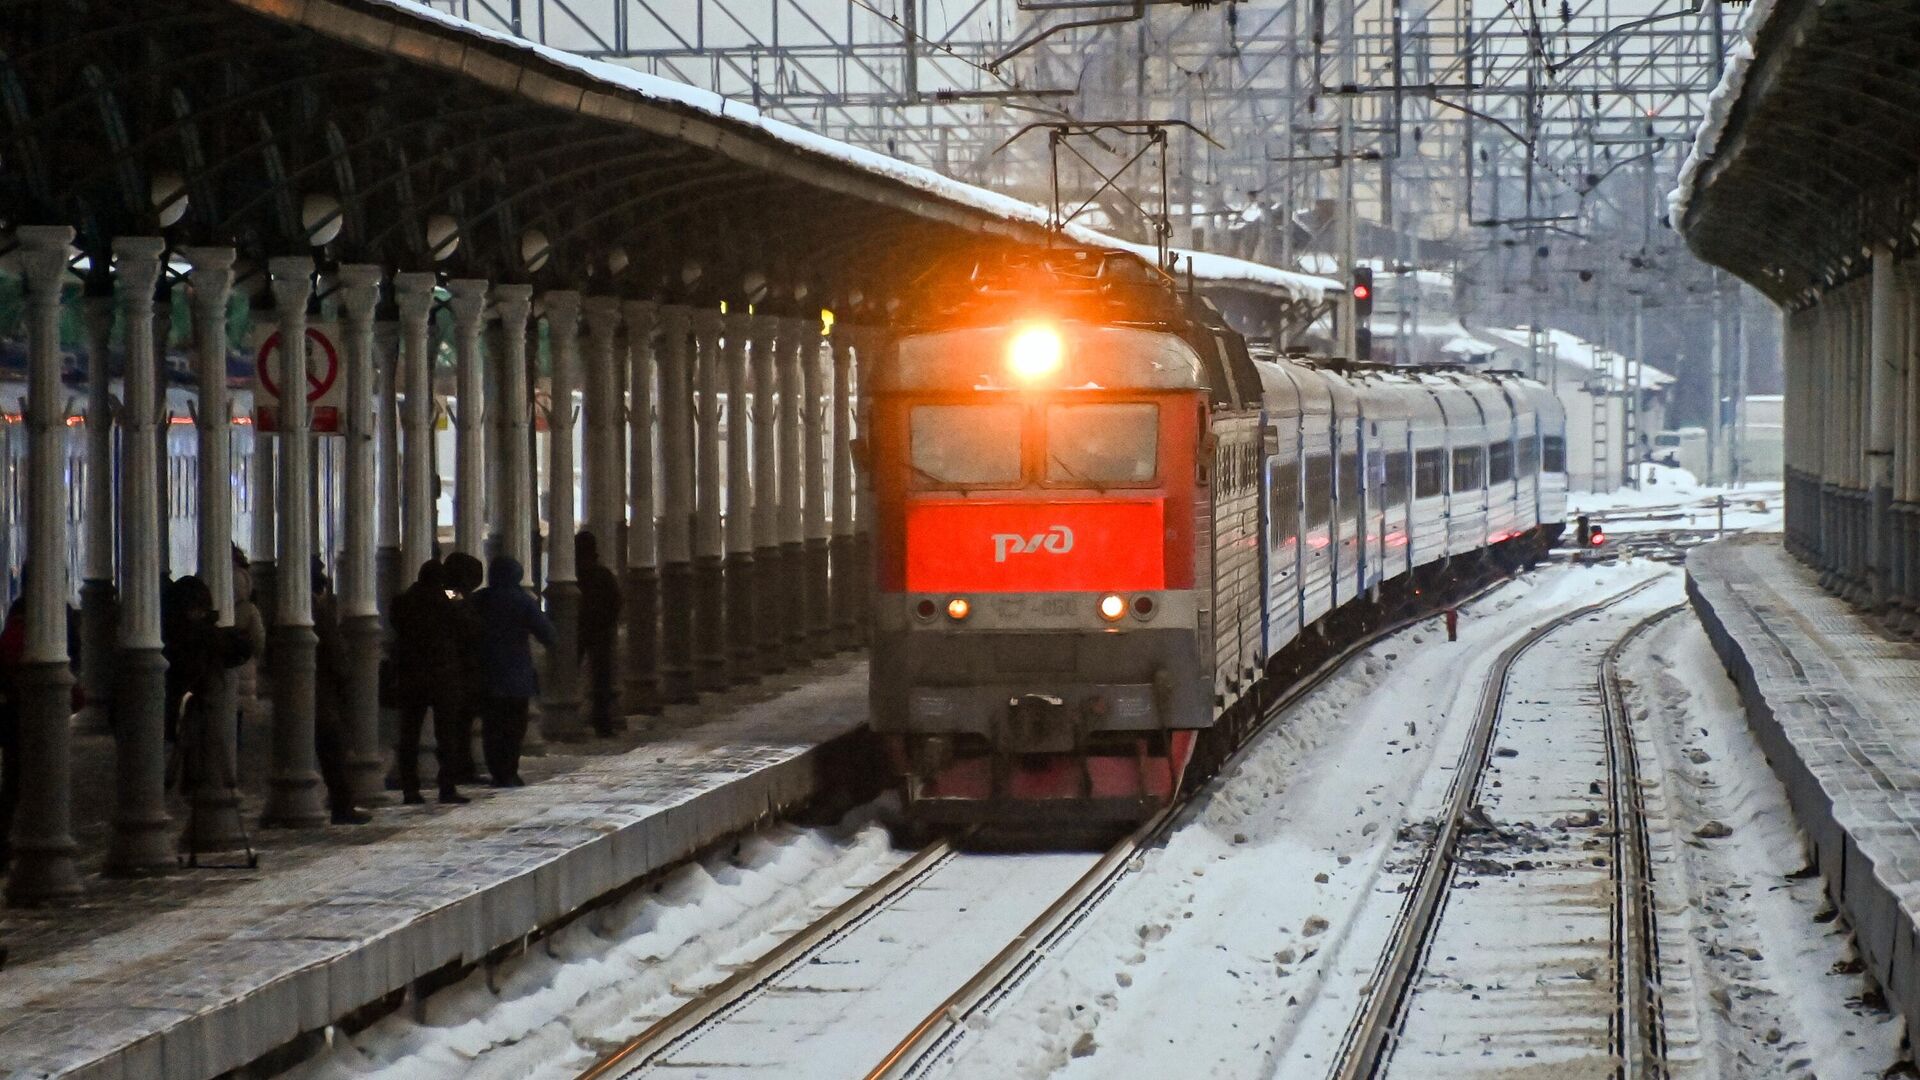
509	618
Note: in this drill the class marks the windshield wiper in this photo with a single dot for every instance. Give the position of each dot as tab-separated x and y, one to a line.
1075	474
937	481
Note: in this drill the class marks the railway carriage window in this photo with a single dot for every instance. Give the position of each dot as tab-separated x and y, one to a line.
1430	472
1553	454
965	445
1350	482
1468	468
1529	457
1110	444
1319	490
1500	463
1395	491
1283	504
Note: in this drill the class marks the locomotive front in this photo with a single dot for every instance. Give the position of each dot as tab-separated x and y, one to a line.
1037	659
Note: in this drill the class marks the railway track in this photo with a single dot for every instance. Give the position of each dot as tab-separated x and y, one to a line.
934	876
1547	961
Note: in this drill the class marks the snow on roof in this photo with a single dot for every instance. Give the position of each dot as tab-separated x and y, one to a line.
1719	108
1451	336
1575	351
1206	267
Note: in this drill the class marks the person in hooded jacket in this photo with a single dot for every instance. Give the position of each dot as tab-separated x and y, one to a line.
426	666
509	618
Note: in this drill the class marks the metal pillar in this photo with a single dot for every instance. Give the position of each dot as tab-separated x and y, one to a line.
600	394
390	570
142	840
739	570
709	543
293	789
414	294
96	585
676	490
515	303
813	419
469	305
359	607
42	840
792	406
869	352
215	824
842	568
266	487
560	719
1882	378
642	579
496	432
769	578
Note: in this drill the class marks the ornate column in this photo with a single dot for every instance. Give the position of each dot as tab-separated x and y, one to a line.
869	350
793	332
676	495
215	824
414	293
495	432
813	421
141	840
96	584
769	577
391	574
600	390
709	544
294	797
843	568
738	572
560	708
43	865
160	325
515	303
359	606
641	583
469	306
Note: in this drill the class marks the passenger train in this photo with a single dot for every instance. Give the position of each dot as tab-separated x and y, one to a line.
1106	532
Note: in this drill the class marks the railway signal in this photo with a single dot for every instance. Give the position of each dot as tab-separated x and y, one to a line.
1362	313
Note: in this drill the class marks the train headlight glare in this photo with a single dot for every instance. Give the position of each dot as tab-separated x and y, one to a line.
1112	606
1035	352
958	608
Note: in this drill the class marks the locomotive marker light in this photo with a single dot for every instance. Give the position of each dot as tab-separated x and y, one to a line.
958	608
1035	352
1112	607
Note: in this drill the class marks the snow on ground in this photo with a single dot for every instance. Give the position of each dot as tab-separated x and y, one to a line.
1203	961
1764	978
1670	498
579	993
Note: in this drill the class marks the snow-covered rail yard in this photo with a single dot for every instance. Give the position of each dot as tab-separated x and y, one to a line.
1245	938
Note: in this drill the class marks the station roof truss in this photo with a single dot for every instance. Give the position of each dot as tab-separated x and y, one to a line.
398	116
1813	158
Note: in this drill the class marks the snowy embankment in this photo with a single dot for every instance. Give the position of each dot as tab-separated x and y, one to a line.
579	993
1670	498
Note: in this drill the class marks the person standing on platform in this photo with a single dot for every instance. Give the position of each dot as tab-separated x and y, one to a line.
426	667
599	628
13	647
509	616
329	702
464	577
247	620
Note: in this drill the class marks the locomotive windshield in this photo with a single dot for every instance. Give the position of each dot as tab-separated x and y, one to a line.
1084	444
1102	443
966	445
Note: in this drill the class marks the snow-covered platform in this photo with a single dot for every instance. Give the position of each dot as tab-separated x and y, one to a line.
201	972
1833	702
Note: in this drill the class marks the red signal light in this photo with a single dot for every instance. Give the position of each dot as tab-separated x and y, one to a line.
1596	537
1362	292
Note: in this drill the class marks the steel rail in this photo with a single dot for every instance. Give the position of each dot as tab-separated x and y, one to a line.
1364	1047
1640	1036
670	1030
935	1034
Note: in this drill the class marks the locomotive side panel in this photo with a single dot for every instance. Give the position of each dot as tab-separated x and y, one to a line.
1237	556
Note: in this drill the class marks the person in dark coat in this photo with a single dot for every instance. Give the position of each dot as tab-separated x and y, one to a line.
509	616
599	629
197	649
329	702
13	647
426	667
464	576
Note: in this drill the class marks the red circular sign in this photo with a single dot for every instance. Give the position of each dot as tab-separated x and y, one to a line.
317	385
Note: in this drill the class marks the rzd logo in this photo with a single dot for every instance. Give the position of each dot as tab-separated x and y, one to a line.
1058	540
